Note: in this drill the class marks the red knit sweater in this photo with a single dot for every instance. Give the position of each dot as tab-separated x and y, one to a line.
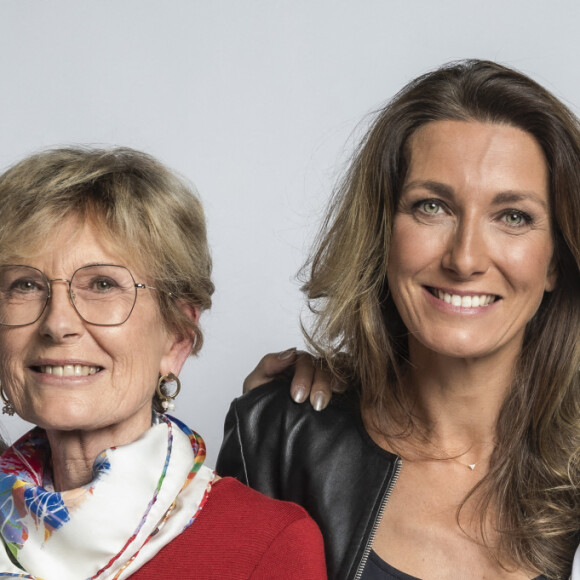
242	534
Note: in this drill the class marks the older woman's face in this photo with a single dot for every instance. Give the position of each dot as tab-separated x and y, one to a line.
127	358
471	253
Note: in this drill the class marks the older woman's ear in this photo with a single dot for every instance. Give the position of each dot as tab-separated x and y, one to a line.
193	335
181	344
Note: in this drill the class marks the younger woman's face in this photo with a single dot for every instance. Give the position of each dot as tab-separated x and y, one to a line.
472	246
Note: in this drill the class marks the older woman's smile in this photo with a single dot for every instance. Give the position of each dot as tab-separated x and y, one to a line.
67	370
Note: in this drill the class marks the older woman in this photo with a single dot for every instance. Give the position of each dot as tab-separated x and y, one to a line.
104	271
446	293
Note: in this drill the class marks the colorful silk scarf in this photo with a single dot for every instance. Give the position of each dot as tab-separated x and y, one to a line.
142	496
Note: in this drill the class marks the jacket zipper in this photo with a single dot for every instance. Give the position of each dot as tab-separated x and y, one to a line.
367	550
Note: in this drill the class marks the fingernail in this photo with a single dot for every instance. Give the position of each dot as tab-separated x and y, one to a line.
318	401
285	355
299	394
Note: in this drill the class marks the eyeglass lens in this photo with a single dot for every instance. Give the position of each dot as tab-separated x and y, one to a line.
102	294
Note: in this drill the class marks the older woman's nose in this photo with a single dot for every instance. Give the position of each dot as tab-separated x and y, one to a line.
466	254
60	319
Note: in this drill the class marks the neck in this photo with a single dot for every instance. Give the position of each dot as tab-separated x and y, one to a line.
74	452
457	401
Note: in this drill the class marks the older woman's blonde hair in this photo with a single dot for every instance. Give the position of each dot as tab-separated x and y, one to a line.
141	207
532	486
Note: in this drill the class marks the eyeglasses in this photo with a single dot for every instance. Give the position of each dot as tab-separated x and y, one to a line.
103	295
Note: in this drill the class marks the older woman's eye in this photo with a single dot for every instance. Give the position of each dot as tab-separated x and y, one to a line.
24	286
103	285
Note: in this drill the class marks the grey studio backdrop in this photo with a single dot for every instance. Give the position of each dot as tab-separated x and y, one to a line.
259	103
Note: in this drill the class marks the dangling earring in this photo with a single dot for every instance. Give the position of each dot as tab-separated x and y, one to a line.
8	408
166	400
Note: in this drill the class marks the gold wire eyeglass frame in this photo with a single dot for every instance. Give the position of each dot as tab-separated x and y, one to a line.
71	294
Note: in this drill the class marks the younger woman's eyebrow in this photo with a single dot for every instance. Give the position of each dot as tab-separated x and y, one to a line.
515	196
436	187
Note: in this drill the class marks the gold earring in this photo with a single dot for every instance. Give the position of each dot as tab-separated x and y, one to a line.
166	399
8	408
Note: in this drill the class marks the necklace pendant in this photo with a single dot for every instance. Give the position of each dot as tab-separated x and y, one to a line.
471	466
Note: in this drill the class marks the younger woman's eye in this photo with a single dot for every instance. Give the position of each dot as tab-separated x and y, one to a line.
514	219
517	218
429	206
429	210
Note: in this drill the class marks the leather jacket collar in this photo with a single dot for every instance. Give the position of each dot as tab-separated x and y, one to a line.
324	461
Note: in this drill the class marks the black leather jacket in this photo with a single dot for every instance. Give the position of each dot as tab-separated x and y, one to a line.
324	461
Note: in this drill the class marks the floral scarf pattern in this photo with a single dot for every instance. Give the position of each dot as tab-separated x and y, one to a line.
141	497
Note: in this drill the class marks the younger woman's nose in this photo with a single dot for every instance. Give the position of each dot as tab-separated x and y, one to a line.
466	254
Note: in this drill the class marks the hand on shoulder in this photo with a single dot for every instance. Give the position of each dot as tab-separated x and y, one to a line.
311	379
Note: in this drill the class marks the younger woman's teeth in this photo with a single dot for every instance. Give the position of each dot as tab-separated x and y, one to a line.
69	370
474	301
